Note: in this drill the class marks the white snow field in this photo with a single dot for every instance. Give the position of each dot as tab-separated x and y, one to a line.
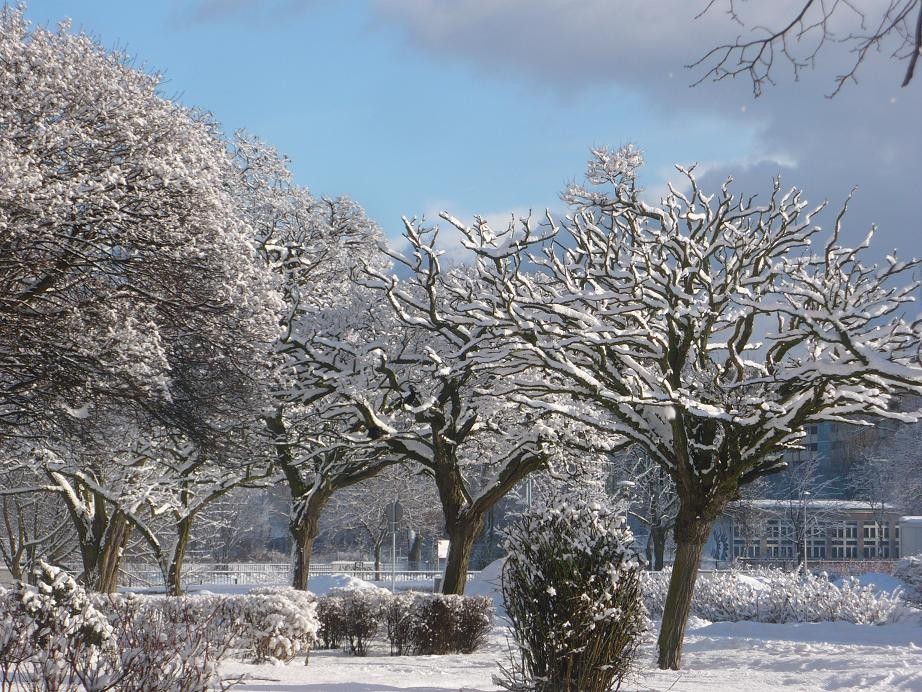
748	656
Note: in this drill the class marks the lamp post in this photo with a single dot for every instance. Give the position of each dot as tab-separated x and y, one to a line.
804	496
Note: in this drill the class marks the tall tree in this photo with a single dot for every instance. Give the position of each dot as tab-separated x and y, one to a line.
313	245
120	248
428	395
132	293
708	330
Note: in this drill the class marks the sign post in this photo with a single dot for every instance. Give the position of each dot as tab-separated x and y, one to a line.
394	515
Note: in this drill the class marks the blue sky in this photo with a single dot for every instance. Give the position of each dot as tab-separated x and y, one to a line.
477	106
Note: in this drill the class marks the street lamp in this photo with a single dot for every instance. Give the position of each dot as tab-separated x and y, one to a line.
804	495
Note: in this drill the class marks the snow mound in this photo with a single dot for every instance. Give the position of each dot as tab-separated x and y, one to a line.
322	584
489	583
879	581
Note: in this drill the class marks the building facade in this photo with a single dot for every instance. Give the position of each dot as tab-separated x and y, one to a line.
829	530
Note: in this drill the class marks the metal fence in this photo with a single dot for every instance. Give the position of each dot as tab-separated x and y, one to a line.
135	575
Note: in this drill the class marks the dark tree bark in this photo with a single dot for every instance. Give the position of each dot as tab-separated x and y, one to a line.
658	535
461	535
174	573
414	553
691	533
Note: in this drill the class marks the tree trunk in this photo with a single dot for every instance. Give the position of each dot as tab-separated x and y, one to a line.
377	554
414	554
659	547
115	540
462	534
691	533
304	526
174	573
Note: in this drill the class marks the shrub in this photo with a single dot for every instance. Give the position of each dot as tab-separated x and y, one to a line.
275	624
435	622
364	610
571	586
475	619
53	637
776	596
400	615
331	612
167	644
909	571
415	622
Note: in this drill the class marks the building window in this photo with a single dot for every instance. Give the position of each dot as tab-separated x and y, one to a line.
816	543
844	540
779	539
869	536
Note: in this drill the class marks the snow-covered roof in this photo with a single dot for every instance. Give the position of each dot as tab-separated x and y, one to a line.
911	521
852	505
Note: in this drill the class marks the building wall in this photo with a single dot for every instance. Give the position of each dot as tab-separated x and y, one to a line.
845	535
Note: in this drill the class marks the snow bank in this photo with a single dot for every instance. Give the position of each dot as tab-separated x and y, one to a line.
321	584
489	583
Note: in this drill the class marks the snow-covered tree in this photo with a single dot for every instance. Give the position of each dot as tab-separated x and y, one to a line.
426	396
652	496
135	303
33	523
121	251
312	245
365	506
809	28
708	329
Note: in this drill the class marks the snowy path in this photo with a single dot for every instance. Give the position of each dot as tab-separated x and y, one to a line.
748	656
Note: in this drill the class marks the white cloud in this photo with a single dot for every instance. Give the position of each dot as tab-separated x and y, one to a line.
866	136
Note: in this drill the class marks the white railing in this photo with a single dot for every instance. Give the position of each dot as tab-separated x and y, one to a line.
266	574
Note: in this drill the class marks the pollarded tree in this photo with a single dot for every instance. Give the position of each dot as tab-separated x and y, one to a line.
312	245
425	395
708	330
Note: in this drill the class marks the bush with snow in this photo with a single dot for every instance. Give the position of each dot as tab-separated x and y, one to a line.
571	586
400	616
364	611
275	624
51	636
331	612
414	623
909	571
166	644
776	596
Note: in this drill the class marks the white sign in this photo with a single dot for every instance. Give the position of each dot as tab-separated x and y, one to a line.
443	549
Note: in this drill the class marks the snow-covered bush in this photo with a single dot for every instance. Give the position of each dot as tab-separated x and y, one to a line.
52	637
331	612
364	609
167	644
275	624
418	623
435	622
909	571
571	586
400	616
776	596
475	618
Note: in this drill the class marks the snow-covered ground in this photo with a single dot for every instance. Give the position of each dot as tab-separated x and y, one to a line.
749	656
722	656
